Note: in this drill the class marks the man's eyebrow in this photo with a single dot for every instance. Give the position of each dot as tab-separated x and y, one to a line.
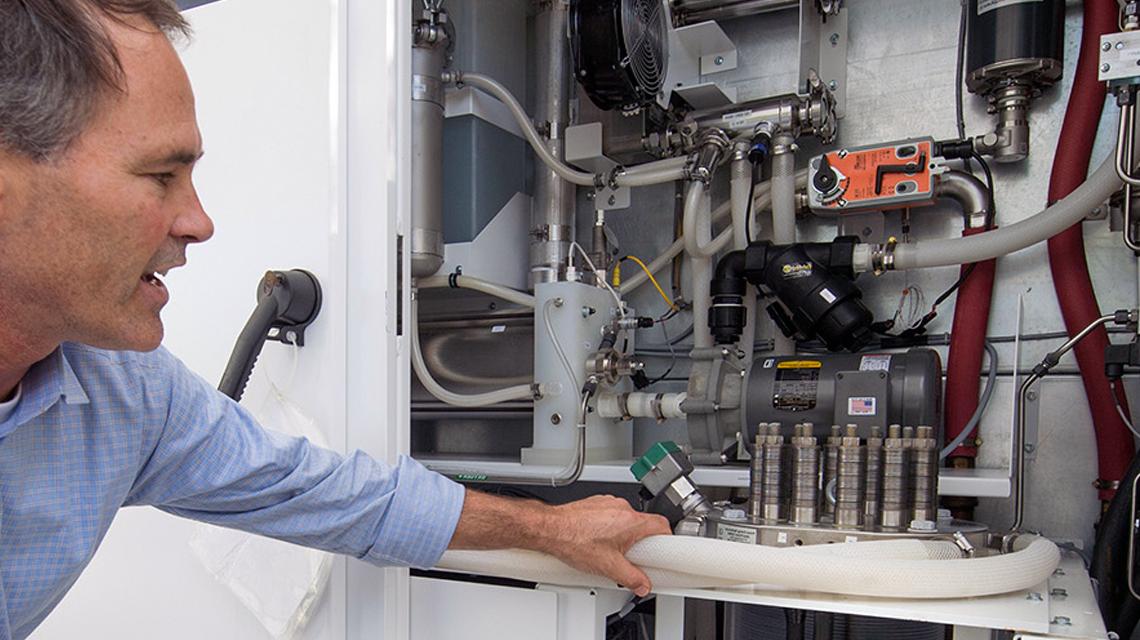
181	156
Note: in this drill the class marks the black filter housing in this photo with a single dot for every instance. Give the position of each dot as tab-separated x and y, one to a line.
1014	41
620	50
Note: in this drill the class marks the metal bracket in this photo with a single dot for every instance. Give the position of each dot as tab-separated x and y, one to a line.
1032	420
823	47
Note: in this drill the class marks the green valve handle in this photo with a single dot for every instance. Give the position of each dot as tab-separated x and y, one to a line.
653	457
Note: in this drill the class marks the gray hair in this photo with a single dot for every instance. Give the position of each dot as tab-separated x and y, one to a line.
57	61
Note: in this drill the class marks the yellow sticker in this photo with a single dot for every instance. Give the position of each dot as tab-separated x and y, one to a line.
800	364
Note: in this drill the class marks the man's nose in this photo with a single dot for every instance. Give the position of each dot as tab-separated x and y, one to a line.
192	223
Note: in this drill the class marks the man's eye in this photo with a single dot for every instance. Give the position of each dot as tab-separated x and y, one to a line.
163	178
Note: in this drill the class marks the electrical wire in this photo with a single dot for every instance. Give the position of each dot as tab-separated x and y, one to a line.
976	419
590	263
1120	409
648	273
554	341
959	74
748	208
672	356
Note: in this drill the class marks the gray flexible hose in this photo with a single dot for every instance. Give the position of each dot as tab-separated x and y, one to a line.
1004	240
975	420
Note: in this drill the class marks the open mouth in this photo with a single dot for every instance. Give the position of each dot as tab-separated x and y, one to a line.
154	279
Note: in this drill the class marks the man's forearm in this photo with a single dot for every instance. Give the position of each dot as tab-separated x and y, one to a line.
495	522
592	534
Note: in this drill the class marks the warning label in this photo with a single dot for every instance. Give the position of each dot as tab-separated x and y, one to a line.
736	534
797	385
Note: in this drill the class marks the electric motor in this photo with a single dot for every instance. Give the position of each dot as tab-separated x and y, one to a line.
1014	42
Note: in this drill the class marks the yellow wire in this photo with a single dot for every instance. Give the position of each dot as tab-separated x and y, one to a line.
617	279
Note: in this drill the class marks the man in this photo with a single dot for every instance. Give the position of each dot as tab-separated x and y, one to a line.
98	140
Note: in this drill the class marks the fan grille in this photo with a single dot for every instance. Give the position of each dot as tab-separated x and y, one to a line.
643	30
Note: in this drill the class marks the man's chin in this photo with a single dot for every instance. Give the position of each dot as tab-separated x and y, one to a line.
135	336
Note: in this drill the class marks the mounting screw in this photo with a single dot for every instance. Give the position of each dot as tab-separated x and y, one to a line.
833	85
1031	396
1105	67
558	302
834	39
1119	46
1105	46
1030	448
1061	621
612	200
555	418
719	60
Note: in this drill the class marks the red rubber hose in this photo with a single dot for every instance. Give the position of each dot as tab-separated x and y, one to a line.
1067	249
967	344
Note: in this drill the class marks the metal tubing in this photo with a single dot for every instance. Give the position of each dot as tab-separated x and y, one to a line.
969	192
694	11
1019	436
552	209
427	156
787	113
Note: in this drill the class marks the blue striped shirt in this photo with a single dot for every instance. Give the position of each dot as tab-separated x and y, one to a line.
96	430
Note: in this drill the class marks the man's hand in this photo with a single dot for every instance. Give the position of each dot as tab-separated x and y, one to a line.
591	535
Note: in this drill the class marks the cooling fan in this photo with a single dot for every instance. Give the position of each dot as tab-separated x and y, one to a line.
620	50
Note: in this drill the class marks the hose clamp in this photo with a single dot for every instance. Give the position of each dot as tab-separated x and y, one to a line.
453	277
623	406
655	407
611	182
883	259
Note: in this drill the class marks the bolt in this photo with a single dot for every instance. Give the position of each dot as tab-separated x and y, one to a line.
1030	448
833	85
558	302
1059	593
1061	621
612	200
1105	46
867	231
1033	596
1105	67
834	39
1119	46
555	418
719	60
588	311
1031	396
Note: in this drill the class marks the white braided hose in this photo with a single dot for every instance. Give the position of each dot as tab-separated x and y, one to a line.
906	569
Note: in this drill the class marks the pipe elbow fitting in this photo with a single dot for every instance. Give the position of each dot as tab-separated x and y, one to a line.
969	192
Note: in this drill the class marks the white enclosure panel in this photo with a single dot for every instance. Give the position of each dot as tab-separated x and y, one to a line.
447	610
265	76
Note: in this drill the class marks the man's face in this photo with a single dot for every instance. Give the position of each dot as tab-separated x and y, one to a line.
83	235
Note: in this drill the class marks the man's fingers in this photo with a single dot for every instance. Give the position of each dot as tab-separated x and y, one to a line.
629	576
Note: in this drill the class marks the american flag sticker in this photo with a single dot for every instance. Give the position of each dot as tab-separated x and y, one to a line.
861	406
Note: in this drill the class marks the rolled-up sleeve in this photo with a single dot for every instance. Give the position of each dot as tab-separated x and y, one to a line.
212	462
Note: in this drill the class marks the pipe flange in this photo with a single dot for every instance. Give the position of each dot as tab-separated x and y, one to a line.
655	407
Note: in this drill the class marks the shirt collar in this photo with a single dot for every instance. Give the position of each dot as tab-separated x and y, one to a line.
48	381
